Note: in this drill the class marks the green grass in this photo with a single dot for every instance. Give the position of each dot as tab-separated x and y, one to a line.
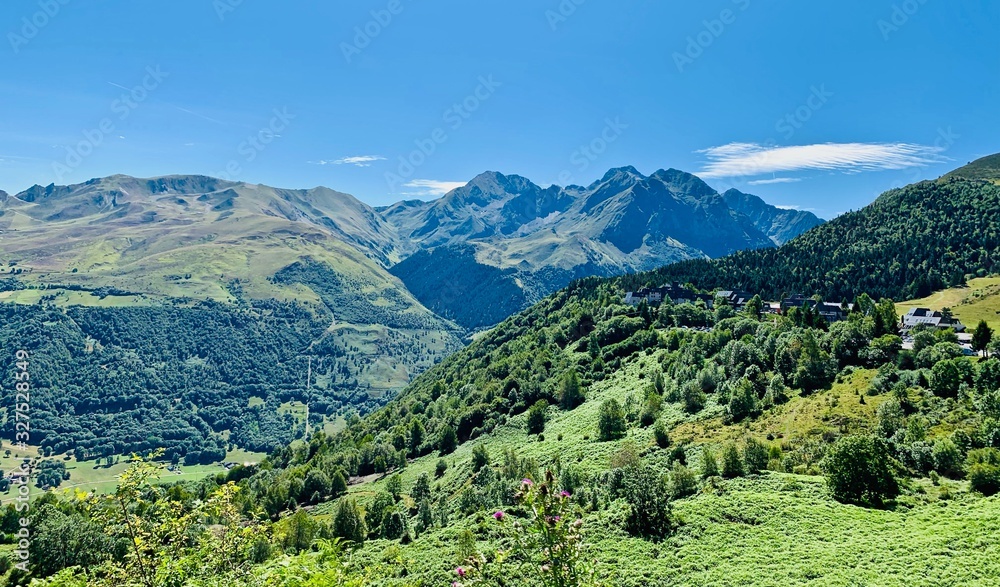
980	300
97	478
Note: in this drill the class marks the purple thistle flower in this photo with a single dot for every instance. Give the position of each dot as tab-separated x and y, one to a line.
498	515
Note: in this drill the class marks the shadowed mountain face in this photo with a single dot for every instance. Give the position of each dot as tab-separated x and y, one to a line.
539	239
780	225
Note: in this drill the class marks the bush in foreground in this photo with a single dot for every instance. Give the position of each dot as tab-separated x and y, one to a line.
859	471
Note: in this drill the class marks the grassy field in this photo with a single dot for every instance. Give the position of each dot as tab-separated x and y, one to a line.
980	300
99	478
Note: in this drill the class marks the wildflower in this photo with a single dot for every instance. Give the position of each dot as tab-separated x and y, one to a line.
564	493
527	482
498	515
460	571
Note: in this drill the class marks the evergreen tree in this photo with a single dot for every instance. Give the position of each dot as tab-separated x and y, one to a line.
348	522
709	464
755	456
982	336
425	516
416	437
394	486
421	488
732	464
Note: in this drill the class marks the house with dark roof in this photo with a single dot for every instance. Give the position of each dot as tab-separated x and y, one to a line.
675	292
829	311
736	298
932	318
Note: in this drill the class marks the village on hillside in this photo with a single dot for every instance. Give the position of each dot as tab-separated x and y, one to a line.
831	312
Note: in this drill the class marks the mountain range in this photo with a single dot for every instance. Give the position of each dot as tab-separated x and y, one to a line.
203	238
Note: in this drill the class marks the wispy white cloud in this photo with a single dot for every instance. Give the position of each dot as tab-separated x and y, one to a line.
747	159
774	180
431	187
356	160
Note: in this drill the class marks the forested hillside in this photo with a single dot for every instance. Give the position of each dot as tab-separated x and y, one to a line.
908	243
191	379
664	444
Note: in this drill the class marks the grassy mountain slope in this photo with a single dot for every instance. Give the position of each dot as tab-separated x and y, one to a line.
986	169
970	303
112	264
908	243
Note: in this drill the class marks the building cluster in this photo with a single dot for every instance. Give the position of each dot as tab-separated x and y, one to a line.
675	292
932	318
737	299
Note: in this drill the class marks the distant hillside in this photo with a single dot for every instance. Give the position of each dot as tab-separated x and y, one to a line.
780	225
906	244
172	283
985	168
537	240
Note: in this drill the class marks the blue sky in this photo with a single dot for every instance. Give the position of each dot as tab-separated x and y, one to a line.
816	105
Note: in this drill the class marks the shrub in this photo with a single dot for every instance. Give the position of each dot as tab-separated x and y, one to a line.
661	436
682	481
858	471
611	421
947	458
440	468
536	417
755	456
984	470
480	457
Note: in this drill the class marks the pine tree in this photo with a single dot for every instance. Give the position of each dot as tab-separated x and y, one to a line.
982	336
348	522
